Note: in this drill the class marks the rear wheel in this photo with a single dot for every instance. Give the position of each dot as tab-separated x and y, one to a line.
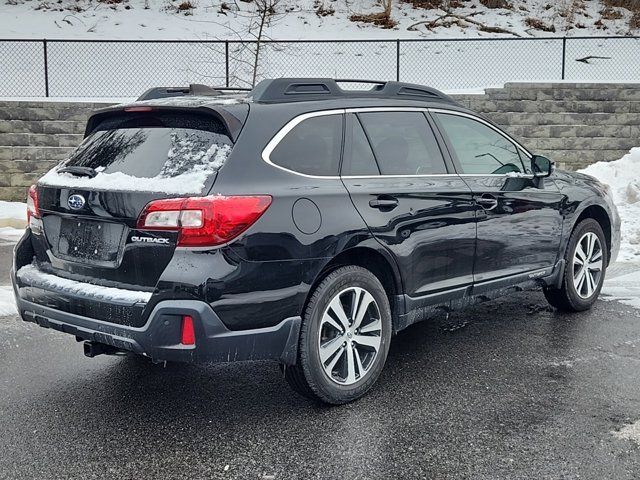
344	338
585	264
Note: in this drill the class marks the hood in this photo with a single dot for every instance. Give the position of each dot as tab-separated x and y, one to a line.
577	178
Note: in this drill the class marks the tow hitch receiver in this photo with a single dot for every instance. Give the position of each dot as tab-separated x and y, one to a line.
93	349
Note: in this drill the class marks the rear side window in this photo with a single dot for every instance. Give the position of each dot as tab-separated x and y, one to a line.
403	143
312	147
174	153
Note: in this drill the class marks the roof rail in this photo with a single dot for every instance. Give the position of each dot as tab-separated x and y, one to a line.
281	90
194	89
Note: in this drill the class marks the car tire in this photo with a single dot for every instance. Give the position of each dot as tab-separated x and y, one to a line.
359	337
574	296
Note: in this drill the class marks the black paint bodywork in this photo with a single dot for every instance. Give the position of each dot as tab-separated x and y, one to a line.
438	249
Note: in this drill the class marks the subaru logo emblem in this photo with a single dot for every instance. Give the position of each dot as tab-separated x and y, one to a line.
76	202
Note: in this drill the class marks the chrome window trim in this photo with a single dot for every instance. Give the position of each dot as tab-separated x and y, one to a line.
355	177
386	109
273	143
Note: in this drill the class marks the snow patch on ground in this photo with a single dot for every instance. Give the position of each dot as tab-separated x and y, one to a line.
295	19
629	432
13	220
624	288
11	234
98	69
13	214
30	275
7	301
624	179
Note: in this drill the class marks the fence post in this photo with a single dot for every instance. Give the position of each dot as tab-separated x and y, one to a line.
564	55
397	60
226	61
46	68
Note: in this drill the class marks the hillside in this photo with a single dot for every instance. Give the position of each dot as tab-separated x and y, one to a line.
316	19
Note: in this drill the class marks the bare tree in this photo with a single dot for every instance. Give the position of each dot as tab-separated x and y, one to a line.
382	19
266	10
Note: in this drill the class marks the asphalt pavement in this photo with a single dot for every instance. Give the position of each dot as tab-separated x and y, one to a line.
509	389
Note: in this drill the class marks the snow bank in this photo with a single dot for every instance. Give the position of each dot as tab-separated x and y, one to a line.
13	214
623	176
30	274
11	234
624	288
188	182
13	220
7	301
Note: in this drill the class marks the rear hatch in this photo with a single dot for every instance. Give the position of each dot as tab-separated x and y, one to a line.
90	204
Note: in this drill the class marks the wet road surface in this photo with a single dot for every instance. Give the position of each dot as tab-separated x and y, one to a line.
508	389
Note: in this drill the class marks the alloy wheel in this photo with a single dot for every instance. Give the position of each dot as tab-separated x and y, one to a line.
587	265
350	336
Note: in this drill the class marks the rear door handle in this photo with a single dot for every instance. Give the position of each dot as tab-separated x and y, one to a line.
487	202
384	203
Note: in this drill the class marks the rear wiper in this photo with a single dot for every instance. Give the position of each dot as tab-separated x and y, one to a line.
79	171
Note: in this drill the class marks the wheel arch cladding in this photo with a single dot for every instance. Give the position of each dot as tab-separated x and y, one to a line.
600	215
369	259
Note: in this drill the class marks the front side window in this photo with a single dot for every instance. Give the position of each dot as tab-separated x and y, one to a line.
403	143
312	147
479	148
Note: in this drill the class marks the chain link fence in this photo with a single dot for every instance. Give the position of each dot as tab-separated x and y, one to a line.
122	68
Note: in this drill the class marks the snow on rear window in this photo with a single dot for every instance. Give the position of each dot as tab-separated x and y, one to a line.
192	181
169	154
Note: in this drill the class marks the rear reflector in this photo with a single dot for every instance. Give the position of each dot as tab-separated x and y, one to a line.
188	335
32	203
204	221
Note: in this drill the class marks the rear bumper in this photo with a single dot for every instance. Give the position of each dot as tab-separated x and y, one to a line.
159	338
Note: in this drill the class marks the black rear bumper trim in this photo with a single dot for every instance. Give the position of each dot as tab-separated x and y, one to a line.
159	338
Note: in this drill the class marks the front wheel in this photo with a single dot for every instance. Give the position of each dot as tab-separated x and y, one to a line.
586	260
344	338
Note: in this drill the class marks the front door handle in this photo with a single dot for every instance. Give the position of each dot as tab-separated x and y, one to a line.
487	202
384	203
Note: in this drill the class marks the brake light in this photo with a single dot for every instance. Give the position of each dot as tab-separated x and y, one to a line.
187	334
32	203
204	221
138	109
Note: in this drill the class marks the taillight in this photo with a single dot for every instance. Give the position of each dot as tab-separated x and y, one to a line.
32	203
204	221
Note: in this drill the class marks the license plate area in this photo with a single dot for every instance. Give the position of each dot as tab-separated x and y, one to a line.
89	241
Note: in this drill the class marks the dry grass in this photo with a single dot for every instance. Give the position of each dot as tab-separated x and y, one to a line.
496	4
322	10
609	13
539	25
632	5
379	19
185	7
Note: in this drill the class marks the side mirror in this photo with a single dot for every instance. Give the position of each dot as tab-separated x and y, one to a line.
541	166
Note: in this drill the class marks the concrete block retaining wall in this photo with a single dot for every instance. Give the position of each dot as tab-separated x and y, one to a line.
574	124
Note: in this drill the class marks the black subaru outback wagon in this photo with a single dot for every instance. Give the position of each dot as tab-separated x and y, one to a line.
303	223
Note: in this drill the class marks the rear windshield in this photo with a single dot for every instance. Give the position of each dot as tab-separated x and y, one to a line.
175	153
